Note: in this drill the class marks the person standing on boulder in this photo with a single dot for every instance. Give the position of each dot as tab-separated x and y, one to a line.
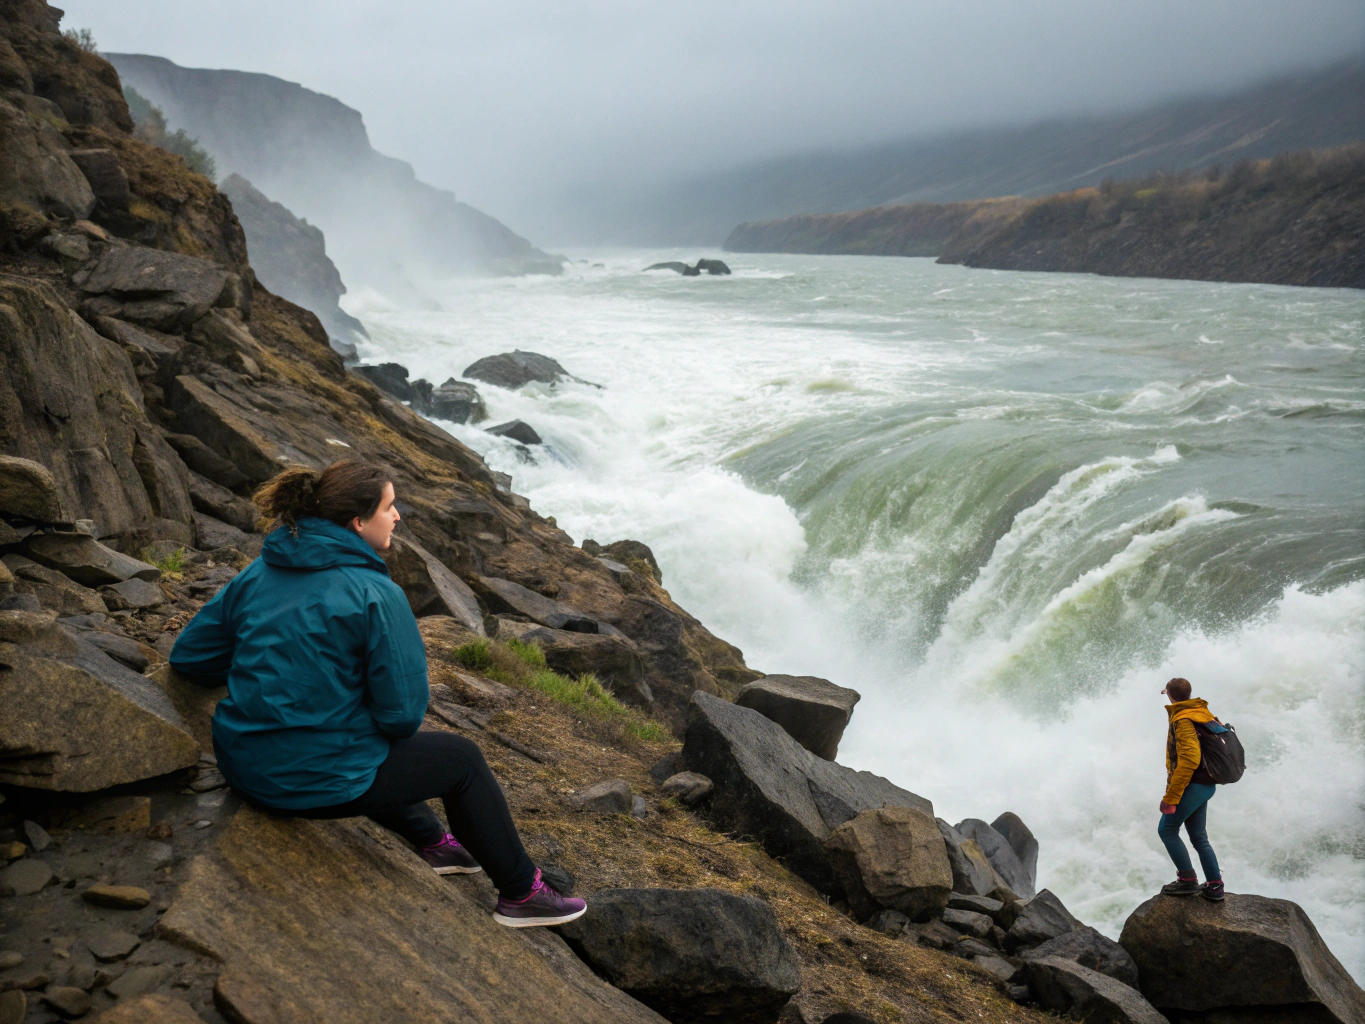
1188	789
327	687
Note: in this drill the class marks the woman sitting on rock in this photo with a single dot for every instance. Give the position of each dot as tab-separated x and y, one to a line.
327	687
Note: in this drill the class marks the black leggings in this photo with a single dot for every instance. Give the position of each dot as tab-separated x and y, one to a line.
431	764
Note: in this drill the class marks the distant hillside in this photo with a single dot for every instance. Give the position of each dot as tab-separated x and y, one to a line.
916	229
1296	219
1314	110
312	153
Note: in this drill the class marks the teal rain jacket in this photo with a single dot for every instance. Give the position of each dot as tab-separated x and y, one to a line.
323	663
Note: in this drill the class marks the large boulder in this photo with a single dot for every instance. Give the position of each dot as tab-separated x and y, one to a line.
431	588
506	596
972	872
1021	840
86	560
1089	948
694	955
1064	986
813	710
893	858
456	401
431	952
28	491
1001	855
771	787
516	430
163	290
1039	919
1251	953
516	369
609	656
76	720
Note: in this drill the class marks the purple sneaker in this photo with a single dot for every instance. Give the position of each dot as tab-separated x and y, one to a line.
448	857
542	906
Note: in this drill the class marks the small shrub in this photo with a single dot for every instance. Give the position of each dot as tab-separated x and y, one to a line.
172	566
83	38
530	653
475	655
149	125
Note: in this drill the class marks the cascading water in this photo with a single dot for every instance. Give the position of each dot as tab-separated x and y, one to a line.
1005	507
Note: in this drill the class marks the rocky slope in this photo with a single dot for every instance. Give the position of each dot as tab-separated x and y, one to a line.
147	383
1296	219
312	153
289	256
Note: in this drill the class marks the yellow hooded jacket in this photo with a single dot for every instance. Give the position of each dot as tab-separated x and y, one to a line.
1182	745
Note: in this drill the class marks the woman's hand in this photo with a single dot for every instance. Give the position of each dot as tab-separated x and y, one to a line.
1167	808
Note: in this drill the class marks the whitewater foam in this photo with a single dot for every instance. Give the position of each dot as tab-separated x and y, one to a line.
1005	507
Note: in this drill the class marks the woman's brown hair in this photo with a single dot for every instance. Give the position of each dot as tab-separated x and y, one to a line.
345	490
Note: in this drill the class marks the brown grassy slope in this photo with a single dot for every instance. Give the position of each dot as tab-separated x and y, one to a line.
1297	219
844	966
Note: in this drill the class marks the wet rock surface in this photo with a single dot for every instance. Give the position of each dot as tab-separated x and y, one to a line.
513	370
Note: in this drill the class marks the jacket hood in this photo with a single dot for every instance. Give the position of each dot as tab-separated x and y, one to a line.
1195	709
319	544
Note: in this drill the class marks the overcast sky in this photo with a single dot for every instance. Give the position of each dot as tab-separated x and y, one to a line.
500	100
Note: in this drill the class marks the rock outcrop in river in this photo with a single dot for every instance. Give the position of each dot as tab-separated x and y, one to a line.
148	382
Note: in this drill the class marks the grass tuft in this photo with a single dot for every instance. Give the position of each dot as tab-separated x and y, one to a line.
476	655
172	566
530	653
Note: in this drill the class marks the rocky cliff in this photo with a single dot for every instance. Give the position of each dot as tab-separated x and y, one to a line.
1296	219
289	256
312	153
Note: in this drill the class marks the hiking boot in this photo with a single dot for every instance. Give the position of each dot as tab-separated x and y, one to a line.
1181	887
542	906
448	857
1212	891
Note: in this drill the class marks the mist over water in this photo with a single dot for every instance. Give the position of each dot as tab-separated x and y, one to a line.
1005	507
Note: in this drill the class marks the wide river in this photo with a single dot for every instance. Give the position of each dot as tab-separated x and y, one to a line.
1004	507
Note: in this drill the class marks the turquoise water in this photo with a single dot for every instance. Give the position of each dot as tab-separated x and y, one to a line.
1005	507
